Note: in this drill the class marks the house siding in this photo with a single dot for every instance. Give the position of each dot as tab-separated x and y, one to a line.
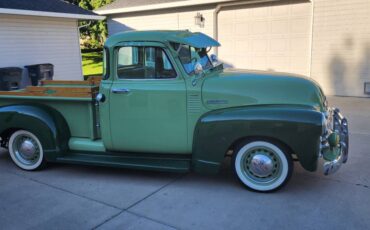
27	40
162	20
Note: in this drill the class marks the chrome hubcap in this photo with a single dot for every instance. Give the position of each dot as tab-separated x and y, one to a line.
261	165
26	149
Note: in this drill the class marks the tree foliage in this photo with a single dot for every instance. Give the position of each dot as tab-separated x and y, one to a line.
94	33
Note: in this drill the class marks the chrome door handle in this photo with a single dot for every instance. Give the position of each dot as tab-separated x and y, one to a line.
120	91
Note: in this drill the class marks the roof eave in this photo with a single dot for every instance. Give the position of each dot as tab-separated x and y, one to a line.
159	6
51	14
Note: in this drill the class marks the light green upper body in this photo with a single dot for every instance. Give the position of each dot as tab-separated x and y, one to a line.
160	114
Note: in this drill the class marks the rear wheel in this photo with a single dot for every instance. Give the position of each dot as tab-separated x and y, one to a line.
262	166
26	150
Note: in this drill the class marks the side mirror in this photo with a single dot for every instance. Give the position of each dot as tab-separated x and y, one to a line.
198	68
214	58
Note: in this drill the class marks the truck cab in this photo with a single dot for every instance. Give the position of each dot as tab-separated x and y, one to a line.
165	103
149	90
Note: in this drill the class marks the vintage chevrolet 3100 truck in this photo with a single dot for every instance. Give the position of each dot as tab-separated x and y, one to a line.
162	104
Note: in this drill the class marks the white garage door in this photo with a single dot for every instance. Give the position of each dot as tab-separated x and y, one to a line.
267	37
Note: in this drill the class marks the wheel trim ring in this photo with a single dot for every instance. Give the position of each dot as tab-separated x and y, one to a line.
262	187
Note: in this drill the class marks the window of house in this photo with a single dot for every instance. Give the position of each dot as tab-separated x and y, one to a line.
135	62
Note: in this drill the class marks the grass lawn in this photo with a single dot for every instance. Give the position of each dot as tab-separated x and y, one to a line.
92	63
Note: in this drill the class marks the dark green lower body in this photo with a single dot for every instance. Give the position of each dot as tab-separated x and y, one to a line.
153	162
297	128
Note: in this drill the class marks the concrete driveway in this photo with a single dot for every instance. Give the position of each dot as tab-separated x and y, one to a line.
81	197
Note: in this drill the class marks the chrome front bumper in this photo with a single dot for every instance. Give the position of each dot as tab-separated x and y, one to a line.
332	156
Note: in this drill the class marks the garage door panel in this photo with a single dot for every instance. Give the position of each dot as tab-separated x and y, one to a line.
280	26
260	12
280	62
276	37
279	45
301	10
260	45
227	32
279	11
242	29
298	46
242	61
229	14
258	27
300	25
243	47
259	62
298	62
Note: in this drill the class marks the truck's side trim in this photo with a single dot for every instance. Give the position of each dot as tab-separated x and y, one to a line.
44	122
86	144
218	131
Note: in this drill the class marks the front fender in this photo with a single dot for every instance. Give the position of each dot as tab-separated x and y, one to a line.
46	123
298	127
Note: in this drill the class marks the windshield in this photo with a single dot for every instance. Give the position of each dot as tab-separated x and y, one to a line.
189	56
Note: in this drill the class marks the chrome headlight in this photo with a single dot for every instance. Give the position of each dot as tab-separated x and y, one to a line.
327	121
326	104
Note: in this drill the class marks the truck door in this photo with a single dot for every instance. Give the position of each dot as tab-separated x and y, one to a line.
147	101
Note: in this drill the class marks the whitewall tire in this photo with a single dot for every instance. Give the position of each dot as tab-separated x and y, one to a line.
262	166
26	150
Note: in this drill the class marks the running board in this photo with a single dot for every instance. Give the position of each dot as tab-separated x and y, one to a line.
166	162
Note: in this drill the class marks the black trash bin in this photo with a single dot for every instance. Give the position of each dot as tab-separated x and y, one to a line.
10	78
40	72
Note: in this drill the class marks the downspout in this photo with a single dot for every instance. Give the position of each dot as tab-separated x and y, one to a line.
219	8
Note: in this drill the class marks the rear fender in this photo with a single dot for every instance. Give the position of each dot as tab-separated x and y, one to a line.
45	122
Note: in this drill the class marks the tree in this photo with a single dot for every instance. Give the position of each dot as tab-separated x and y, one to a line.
96	32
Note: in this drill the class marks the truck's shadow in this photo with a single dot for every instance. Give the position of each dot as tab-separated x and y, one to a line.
301	181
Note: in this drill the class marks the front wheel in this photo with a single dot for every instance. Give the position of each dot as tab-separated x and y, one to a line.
26	150
262	166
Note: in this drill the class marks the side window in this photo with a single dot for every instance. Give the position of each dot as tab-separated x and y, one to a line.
166	63
128	56
144	63
150	57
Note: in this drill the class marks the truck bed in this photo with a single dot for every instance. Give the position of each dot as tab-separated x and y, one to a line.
73	99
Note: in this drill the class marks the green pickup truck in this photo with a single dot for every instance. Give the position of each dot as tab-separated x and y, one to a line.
165	104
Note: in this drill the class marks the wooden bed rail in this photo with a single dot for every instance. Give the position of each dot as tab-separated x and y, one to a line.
93	80
56	88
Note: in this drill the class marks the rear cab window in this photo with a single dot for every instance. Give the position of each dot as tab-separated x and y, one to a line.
105	63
